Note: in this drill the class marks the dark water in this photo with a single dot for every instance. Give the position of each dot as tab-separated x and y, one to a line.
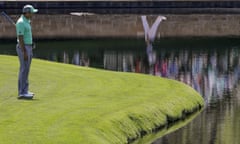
211	66
219	123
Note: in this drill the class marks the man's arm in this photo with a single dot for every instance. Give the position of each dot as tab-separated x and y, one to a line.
22	46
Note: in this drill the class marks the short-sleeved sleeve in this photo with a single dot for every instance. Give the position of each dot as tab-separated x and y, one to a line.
20	28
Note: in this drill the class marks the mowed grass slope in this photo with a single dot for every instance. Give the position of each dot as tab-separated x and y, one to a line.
84	105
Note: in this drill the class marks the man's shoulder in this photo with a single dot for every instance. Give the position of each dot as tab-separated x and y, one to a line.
20	21
20	24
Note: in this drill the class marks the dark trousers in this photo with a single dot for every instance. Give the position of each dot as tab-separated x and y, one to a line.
23	83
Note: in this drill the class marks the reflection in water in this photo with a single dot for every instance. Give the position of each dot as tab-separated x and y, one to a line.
150	35
119	61
81	60
75	58
217	124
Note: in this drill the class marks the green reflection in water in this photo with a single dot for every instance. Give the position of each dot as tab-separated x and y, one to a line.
219	123
169	129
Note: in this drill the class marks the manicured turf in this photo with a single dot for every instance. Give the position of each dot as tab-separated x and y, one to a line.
87	106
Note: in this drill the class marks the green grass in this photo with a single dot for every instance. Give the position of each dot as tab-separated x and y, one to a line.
88	106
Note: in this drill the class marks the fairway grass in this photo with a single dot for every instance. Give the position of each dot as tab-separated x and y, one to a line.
78	105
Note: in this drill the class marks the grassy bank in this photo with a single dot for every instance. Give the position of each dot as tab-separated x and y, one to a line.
84	105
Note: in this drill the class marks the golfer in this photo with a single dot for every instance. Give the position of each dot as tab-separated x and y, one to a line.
24	50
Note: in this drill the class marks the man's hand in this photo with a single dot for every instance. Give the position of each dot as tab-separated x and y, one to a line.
25	56
22	46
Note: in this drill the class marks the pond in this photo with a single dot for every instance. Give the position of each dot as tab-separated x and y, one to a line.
219	123
209	65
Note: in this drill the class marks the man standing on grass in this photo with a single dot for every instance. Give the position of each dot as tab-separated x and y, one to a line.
24	50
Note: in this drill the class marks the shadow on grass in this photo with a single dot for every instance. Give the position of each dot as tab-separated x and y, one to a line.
28	99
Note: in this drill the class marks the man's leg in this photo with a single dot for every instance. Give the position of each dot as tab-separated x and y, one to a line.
22	71
145	26
154	28
27	68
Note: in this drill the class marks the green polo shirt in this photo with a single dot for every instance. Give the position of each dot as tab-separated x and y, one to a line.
23	27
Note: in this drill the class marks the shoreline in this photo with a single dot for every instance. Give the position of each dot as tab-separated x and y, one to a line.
150	138
187	117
